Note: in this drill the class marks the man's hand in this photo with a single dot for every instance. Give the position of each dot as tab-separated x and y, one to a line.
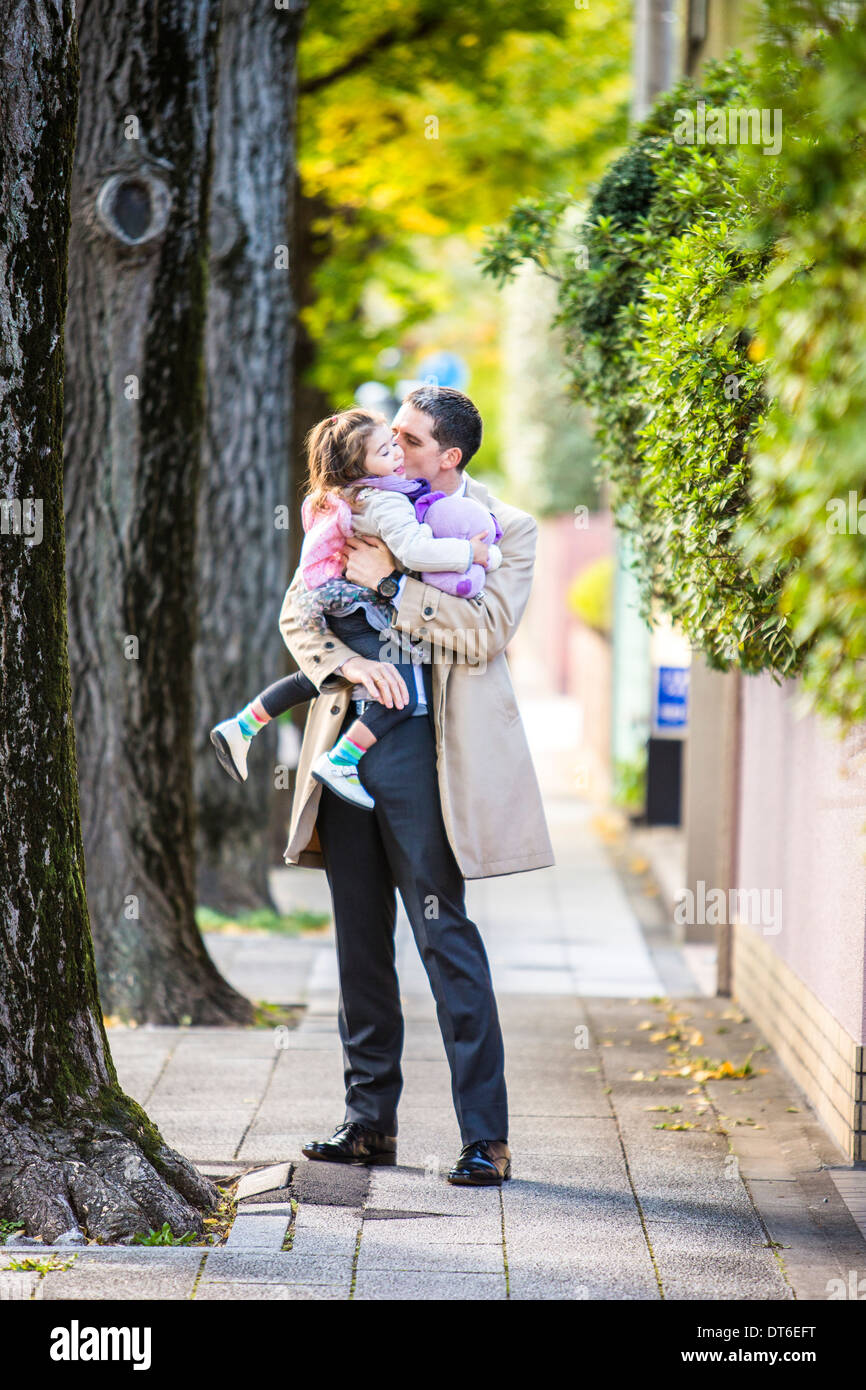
367	561
480	549
383	680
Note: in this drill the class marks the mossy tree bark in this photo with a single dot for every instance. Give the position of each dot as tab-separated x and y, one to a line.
74	1150
243	553
134	413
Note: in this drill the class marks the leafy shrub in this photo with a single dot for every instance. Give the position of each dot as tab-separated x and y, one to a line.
702	401
713	302
809	312
643	303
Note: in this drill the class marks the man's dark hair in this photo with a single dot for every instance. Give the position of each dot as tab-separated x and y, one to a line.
456	421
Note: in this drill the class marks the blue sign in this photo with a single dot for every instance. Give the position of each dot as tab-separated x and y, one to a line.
446	368
672	697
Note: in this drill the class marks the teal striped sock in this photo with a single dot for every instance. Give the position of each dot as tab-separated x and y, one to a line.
249	721
345	751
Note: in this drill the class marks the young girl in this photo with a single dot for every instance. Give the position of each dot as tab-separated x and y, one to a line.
357	483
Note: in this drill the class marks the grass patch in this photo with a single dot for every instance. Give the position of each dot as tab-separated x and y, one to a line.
283	1016
261	922
164	1236
9	1228
51	1264
289	1237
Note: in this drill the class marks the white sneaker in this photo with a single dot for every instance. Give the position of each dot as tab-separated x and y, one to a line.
343	779
231	748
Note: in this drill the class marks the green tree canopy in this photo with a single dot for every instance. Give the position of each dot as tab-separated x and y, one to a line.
423	122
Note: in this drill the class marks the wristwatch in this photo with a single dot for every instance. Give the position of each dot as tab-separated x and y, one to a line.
387	587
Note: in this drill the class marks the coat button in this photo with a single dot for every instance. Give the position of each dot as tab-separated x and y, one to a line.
317	658
335	709
428	612
329	645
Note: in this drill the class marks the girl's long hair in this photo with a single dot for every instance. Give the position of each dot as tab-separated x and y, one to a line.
336	454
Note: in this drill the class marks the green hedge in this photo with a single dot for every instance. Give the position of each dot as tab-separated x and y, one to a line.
809	312
713	299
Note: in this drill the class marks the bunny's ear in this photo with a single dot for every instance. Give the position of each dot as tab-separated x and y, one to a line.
498	537
424	503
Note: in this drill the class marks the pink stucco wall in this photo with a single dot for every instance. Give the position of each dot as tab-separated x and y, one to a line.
561	662
563	551
802	828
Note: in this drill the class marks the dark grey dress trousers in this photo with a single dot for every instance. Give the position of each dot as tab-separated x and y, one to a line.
401	846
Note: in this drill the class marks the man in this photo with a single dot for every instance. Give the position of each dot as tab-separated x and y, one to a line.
456	797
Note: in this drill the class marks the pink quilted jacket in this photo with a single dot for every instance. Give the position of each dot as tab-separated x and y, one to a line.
322	552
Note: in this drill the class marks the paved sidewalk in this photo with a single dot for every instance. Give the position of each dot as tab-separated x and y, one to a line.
604	1204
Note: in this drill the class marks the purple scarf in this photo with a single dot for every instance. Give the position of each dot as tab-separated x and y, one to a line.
413	487
419	493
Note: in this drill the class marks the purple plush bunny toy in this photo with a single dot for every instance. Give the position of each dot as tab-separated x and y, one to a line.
461	517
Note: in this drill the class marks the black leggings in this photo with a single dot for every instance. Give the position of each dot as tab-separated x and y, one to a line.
285	694
357	633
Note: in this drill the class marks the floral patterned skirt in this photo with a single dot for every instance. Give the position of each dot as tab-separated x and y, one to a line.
336	598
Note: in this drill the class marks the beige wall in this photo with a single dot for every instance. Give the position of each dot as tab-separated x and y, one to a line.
730	24
802	828
710	793
590	674
554	655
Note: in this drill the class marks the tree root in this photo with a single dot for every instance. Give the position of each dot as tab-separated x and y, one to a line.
112	1180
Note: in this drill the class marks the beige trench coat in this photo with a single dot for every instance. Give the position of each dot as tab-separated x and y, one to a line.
491	803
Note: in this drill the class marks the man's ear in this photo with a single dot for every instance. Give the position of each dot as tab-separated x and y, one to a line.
451	457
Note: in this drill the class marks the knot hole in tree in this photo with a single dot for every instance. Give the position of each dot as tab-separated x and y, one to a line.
134	207
226	231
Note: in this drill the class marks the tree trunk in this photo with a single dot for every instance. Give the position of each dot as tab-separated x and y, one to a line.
314	246
133	439
243	553
311	404
74	1150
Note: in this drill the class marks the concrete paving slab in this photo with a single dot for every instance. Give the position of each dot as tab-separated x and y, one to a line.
239	1292
19	1286
253	1231
285	1267
326	1233
412	1285
263	1180
128	1274
456	1259
810	1260
409	1189
282	1207
850	1183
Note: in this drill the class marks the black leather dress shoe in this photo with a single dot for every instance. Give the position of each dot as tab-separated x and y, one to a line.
485	1163
354	1143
